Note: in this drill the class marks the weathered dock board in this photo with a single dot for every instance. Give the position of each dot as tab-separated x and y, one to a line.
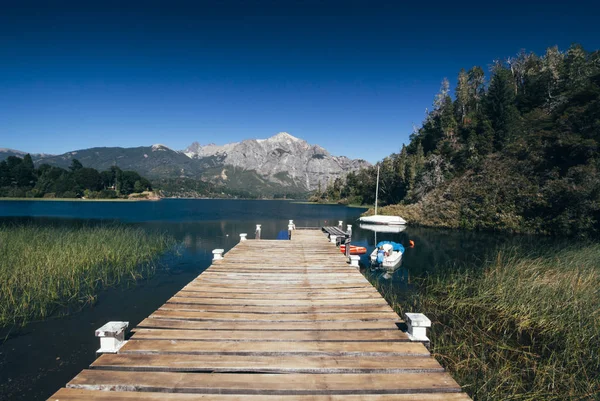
274	320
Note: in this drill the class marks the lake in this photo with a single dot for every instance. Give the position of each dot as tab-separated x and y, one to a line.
41	357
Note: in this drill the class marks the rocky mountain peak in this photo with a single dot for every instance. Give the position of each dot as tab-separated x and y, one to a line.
285	137
159	147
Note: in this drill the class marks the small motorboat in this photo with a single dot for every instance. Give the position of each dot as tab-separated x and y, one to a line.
354	250
387	254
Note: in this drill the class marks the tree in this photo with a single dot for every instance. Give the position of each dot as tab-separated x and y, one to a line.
501	109
476	83
462	96
88	178
75	165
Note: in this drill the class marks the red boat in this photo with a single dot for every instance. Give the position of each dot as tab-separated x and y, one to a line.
354	250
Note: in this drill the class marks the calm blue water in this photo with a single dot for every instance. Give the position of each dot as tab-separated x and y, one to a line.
37	360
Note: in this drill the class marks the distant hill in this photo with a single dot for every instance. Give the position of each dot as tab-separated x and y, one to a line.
281	163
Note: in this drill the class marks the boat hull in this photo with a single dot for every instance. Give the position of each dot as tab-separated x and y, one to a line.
383	220
380	228
354	250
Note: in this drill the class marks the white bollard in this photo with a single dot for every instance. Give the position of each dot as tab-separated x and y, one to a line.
218	254
112	337
417	326
291	223
354	259
333	238
349	229
340	224
257	233
243	237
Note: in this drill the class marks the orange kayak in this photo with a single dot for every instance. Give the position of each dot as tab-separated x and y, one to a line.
354	250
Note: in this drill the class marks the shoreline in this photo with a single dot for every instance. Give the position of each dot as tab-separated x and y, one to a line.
75	200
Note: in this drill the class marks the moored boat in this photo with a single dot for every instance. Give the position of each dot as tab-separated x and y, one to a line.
354	250
380	228
381	219
387	254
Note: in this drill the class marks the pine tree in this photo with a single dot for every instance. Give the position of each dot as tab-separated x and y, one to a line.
462	96
476	82
501	109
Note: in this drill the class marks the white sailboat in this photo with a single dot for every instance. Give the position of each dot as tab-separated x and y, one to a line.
380	219
380	228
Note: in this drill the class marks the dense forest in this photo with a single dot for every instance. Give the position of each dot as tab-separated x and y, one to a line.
516	152
19	178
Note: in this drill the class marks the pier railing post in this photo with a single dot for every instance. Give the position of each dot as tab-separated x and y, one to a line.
340	224
291	223
349	229
112	337
243	237
257	232
290	229
333	238
417	326
218	254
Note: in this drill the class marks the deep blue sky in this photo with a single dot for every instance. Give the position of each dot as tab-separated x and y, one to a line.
351	76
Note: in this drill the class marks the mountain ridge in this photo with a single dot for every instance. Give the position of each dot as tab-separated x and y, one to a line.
280	161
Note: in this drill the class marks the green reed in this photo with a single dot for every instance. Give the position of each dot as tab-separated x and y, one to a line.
522	328
46	269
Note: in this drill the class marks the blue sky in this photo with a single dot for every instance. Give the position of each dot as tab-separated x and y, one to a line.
351	76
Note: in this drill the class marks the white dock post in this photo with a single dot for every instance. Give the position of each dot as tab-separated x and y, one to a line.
257	232
349	229
417	326
291	223
290	229
354	259
112	337
340	224
243	237
218	254
333	238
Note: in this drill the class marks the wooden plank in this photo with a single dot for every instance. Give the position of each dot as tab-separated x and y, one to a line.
275	308
72	394
269	288
267	384
191	299
249	335
359	326
274	348
265	364
250	293
274	317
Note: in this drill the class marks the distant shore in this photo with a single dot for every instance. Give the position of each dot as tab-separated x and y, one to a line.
78	199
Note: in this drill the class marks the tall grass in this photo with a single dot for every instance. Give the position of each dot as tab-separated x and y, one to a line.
43	269
523	328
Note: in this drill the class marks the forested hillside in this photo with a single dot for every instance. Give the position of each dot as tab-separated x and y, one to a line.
517	151
19	178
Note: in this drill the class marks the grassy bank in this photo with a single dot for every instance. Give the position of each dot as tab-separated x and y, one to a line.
43	269
523	328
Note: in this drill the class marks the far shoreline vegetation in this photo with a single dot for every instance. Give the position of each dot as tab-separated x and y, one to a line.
19	179
49	270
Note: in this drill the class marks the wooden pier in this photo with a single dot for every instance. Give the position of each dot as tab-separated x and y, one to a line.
273	320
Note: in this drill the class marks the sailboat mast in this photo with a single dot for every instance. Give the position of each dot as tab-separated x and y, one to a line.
377	190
